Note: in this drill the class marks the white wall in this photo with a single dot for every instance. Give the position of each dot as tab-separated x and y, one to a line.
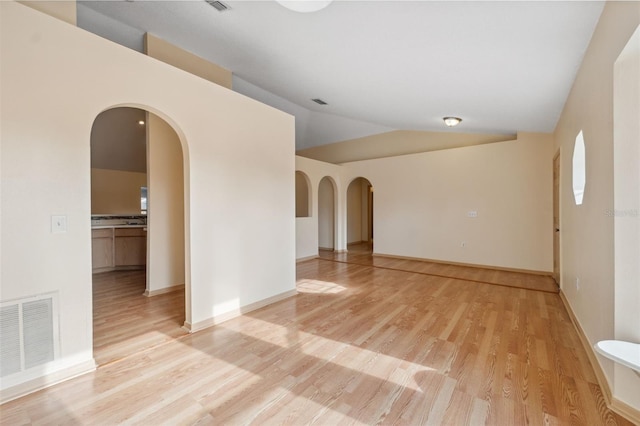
165	217
55	80
587	231
307	242
421	203
626	134
306	237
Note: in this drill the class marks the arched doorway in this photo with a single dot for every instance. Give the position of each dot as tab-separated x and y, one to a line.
138	232
326	214
360	215
303	198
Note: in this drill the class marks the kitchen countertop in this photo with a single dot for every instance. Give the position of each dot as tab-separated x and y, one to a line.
117	226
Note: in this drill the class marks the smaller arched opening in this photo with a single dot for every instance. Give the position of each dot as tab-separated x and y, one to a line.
360	215
303	195
327	213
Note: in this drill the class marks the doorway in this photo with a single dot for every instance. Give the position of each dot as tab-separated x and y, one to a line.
360	215
326	214
137	207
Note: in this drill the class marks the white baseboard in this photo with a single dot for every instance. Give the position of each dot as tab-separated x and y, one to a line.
34	385
625	410
218	319
304	259
163	290
471	265
630	413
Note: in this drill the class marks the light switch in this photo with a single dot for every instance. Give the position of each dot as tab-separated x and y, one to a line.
58	224
472	213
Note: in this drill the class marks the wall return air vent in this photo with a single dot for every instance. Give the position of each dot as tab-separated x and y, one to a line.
218	5
28	333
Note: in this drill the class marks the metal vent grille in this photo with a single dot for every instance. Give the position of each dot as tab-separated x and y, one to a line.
28	333
319	101
10	349
218	5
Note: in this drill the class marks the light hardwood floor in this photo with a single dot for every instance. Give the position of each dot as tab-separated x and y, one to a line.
126	322
359	344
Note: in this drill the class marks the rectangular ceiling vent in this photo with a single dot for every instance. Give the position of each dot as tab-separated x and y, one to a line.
218	5
28	333
319	101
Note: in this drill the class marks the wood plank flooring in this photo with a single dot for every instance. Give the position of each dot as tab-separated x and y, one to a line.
125	322
360	254
358	345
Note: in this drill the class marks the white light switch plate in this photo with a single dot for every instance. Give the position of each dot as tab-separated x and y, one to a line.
58	224
472	213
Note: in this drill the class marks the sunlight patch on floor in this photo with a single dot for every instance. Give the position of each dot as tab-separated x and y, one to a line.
346	355
315	286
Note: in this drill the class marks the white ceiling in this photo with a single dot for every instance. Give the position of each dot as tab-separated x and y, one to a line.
502	66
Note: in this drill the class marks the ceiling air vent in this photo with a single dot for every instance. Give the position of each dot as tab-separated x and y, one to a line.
319	101
218	5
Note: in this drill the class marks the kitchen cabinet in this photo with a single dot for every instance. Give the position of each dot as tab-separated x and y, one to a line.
116	248
102	249
130	246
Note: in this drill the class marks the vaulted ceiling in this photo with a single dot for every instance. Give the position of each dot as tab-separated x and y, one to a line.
502	66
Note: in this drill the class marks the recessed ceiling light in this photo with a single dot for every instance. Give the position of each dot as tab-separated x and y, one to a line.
141	122
452	121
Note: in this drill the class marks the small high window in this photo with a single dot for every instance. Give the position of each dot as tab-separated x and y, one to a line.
579	169
143	199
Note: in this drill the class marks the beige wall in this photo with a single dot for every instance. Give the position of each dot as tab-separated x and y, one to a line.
50	100
421	203
587	231
166	230
61	9
187	61
397	142
116	191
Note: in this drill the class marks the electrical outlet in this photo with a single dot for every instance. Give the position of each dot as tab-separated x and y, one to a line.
577	283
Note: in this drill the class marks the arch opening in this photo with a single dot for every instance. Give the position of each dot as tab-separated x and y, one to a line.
303	195
360	215
138	206
327	213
